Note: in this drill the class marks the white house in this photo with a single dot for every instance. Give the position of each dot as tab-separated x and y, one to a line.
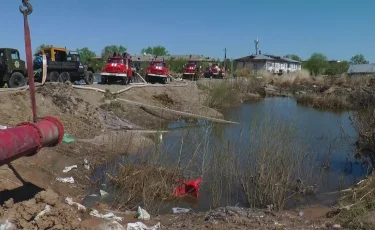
267	62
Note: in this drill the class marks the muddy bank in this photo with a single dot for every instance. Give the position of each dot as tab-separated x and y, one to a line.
101	132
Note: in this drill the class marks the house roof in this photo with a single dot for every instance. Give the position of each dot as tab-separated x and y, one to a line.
266	57
362	68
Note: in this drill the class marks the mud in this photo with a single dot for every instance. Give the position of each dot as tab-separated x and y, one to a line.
24	215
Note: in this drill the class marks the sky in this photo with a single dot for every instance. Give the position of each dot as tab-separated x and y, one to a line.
337	28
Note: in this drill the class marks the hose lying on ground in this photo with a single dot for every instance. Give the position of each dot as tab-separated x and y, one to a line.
179	112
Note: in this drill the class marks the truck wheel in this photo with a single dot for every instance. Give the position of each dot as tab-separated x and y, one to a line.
89	78
16	80
124	80
146	79
54	77
104	80
164	80
64	77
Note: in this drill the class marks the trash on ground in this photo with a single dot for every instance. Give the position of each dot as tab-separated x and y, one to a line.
142	214
108	216
66	180
68	139
103	193
300	213
336	226
181	210
141	226
3	127
71	203
93	195
68	168
6	226
45	210
190	187
86	164
114	225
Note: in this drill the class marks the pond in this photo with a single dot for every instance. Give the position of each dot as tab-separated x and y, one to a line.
221	152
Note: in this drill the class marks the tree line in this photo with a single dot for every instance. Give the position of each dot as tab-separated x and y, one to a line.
318	64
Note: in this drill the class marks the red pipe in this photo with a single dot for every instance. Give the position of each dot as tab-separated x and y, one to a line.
27	138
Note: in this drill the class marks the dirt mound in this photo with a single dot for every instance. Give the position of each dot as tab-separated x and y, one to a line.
164	99
24	215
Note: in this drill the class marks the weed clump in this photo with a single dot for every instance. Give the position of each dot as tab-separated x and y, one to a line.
144	182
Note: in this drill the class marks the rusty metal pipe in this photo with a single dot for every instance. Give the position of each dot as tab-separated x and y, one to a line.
29	62
28	138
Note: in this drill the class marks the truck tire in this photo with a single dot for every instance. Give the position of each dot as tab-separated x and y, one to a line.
64	77
54	77
124	80
16	80
89	78
104	80
164	80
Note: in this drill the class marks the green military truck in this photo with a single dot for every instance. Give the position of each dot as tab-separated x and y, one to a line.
12	68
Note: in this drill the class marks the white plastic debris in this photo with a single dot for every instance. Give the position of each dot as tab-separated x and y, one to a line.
79	219
300	213
45	210
103	193
3	127
336	226
94	195
141	226
114	225
108	216
181	210
6	226
66	180
68	168
142	214
71	203
86	164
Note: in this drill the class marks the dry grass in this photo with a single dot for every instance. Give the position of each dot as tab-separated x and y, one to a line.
354	207
330	102
277	166
144	182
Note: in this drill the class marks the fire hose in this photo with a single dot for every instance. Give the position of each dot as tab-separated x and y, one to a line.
27	138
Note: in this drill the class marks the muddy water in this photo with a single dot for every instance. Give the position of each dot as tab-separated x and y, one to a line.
328	137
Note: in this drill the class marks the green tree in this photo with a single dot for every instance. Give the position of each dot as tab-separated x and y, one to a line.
317	63
156	50
358	59
38	50
86	54
293	57
337	68
109	50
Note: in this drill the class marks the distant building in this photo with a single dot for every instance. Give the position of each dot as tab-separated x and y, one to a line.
271	63
334	61
191	57
361	69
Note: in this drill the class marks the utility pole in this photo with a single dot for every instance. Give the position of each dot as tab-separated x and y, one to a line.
225	58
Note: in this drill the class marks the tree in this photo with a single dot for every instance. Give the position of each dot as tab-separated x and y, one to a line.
156	50
38	50
85	54
109	50
317	63
294	57
358	59
337	68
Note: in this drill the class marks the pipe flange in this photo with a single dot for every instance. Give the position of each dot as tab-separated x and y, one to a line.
59	125
40	145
